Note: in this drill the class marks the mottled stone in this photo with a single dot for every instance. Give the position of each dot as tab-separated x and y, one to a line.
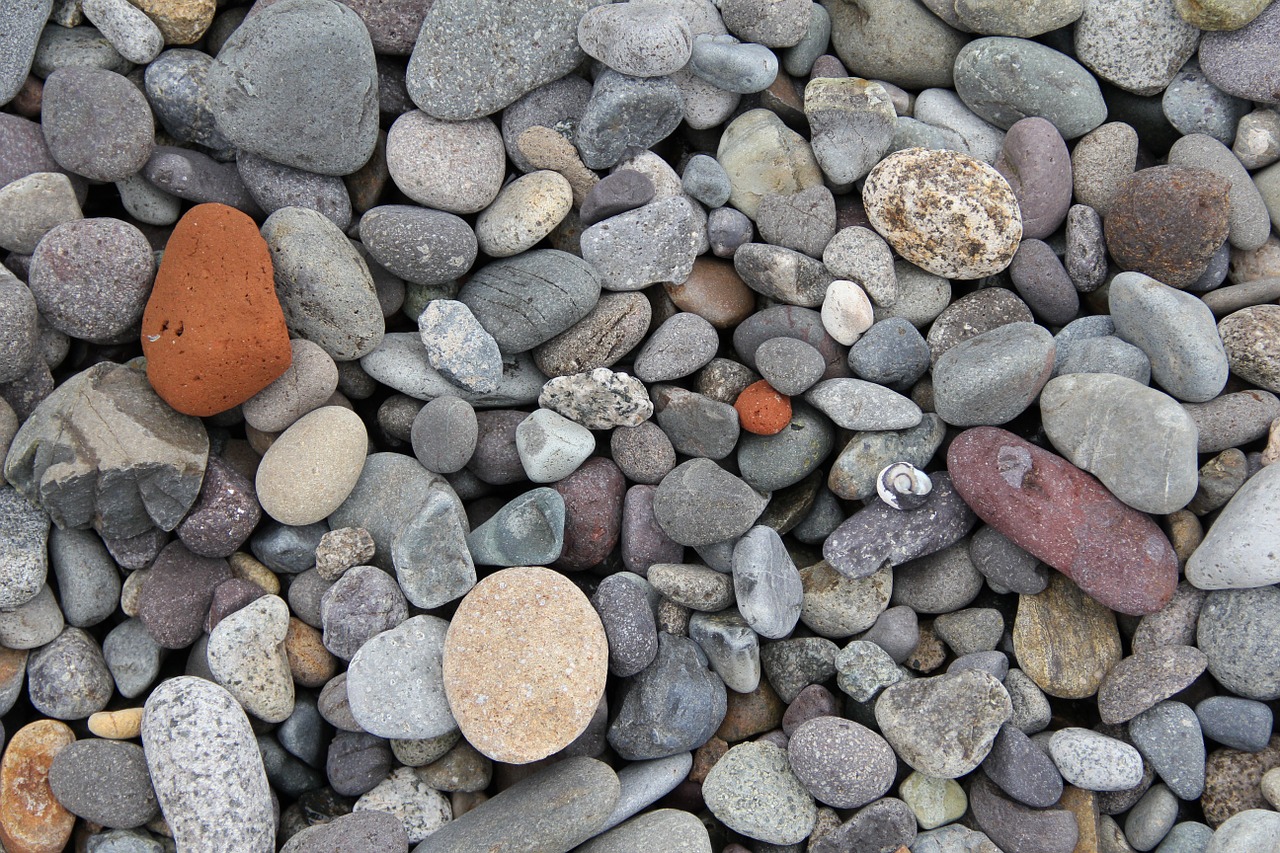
944	726
1065	641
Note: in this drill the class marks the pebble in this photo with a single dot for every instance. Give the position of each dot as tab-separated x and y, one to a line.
246	656
31	818
453	166
306	385
444	435
394	235
31	625
34	205
279	103
934	802
670	829
361	604
626	112
357	762
992	378
1015	827
1234	631
1059	619
193	730
1022	769
67	678
1168	736
753	791
1233	419
874	44
274	186
292	485
1102	43
732	649
1044	283
421	810
1226	561
27	532
1050	85
1241	62
1193	105
105	782
941	582
96	123
1093	761
762	156
841	763
359	832
679	347
524	212
640	41
529	530
1243	724
922	720
223	516
1246	336
1147	677
1035	162
852	122
430	554
214	251
946	212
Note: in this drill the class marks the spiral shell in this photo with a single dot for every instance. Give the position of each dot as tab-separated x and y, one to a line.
903	486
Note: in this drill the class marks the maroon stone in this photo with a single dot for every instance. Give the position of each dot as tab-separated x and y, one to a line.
644	542
224	514
592	513
814	701
1065	517
230	596
176	595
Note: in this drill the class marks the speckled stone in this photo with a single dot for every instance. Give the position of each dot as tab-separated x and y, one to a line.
949	213
944	726
501	697
31	818
753	791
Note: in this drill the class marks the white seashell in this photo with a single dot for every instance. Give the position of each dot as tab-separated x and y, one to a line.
903	486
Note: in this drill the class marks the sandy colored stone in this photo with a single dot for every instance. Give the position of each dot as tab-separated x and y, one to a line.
1083	805
313	466
124	724
213	331
525	663
1233	781
949	213
31	819
1065	640
246	567
311	664
180	21
762	410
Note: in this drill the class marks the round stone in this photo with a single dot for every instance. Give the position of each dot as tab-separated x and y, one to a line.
947	212
840	762
313	466
97	123
447	165
525	664
753	791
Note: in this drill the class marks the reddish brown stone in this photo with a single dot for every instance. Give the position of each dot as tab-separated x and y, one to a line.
592	513
1066	518
749	714
715	292
705	757
762	410
31	819
1167	221
1233	781
213	331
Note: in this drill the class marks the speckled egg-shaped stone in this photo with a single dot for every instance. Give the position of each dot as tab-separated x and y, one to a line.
525	663
946	212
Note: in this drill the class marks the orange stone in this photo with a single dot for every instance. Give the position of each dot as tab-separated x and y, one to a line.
213	331
762	410
31	820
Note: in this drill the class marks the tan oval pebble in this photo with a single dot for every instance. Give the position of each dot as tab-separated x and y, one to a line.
313	466
31	819
131	591
1065	640
1271	787
949	213
246	567
525	662
124	724
310	662
526	210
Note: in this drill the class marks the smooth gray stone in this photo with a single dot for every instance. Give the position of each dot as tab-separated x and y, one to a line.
1150	820
798	60
1103	40
623	190
19	326
696	424
527	531
133	657
794	665
471	58
1186	837
753	791
551	811
324	285
360	605
654	243
420	245
1176	330
1005	80
274	186
304	734
288	776
1108	354
88	580
1247	215
1242	550
207	769
395	684
529	299
864	669
1022	769
123	841
430	554
992	378
444	434
23	548
782	274
356	832
769	463
297	84
1243	724
558	104
104	782
854	473
682	345
287	548
900	41
626	112
76	46
647	725
31	625
731	646
96	123
699	503
1006	566
622	602
671	830
1169	737
24	21
93	427
804	221
766	583
1138	441
704	179
68	679
193	176
859	405
941	582
1249	831
400	361
922	720
391	489
1243	62
1193	105
734	66
943	108
176	89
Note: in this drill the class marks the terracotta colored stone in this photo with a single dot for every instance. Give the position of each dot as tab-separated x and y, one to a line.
1233	781
311	664
1167	221
751	713
715	292
1065	517
705	757
213	331
1065	641
929	653
31	819
525	663
762	410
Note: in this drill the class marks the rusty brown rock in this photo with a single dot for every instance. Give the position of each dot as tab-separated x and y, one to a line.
1167	221
1065	517
31	818
749	714
1064	640
213	331
715	292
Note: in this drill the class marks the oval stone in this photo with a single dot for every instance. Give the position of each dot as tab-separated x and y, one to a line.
525	664
1242	548
947	212
31	818
313	466
1065	641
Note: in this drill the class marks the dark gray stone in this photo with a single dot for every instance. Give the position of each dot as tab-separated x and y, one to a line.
699	503
394	234
626	112
362	603
175	88
527	531
1243	724
96	123
529	299
105	782
1022	769
68	679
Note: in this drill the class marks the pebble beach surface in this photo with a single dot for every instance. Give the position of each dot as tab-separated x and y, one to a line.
662	426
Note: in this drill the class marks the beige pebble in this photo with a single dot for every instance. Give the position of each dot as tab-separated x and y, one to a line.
1271	787
311	664
246	567
124	724
313	466
1271	453
546	149
1065	640
131	591
180	21
525	212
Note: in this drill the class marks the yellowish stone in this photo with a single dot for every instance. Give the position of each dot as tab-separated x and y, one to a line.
1065	640
245	566
180	21
1083	805
124	724
934	801
31	818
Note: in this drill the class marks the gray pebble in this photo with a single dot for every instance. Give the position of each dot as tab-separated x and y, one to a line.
363	603
733	66
18	45
175	88
76	47
1186	837
68	679
1022	769
625	189
941	582
644	452
557	105
992	378
527	531
1249	225
1193	105
791	366
1243	724
357	762
859	405
1108	354
274	186
1042	281
804	221
287	548
395	233
128	29
679	676
753	791
96	122
1151	819
682	345
444	435
781	274
854	473
32	206
432	561
642	40
774	462
1005	565
529	299
1169	738
697	425
190	175
654	243
1094	761
407	657
1242	62
727	229
24	550
921	719
944	109
459	347
133	657
628	623
891	353
731	646
624	112
1103	42
306	384
32	624
105	782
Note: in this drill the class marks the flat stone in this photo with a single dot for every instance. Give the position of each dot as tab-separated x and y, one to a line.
1065	641
455	166
430	555
1168	736
852	123
902	42
1094	761
841	763
527	300
104	781
992	471
279	102
409	655
360	605
504	710
1017	828
1243	724
944	726
699	503
193	729
1146	678
1022	769
671	829
529	530
246	656
1240	62
422	246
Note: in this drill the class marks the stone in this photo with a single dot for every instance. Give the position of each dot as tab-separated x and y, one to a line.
246	656
1246	336
420	809
992	471
767	585
1102	43
276	101
614	36
274	186
1233	781
679	347
856	404
31	818
164	458
753	791
357	762
430	555
424	247
408	655
67	678
902	42
458	347
306	385
363	603
529	530
453	166
1234	419
360	832
1168	736
992	378
1058	619
1243	724
699	503
188	361
193	729
292	485
841	763
943	726
1234	631
1160	199
1094	761
593	498
1146	678
678	677
670	829
223	516
34	205
852	123
524	213
105	782
444	435
1048	84
493	703
1022	769
1240	62
96	123
654	243
762	156
527	300
1015	827
946	212
26	528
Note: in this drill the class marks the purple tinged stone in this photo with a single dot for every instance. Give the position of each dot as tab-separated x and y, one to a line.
644	542
593	497
1035	162
224	514
178	593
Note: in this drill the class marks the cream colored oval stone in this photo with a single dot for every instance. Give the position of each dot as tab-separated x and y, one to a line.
1065	640
311	468
528	209
525	663
124	724
946	212
846	311
762	156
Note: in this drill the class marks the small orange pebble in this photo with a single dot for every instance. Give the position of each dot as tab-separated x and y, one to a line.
762	410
